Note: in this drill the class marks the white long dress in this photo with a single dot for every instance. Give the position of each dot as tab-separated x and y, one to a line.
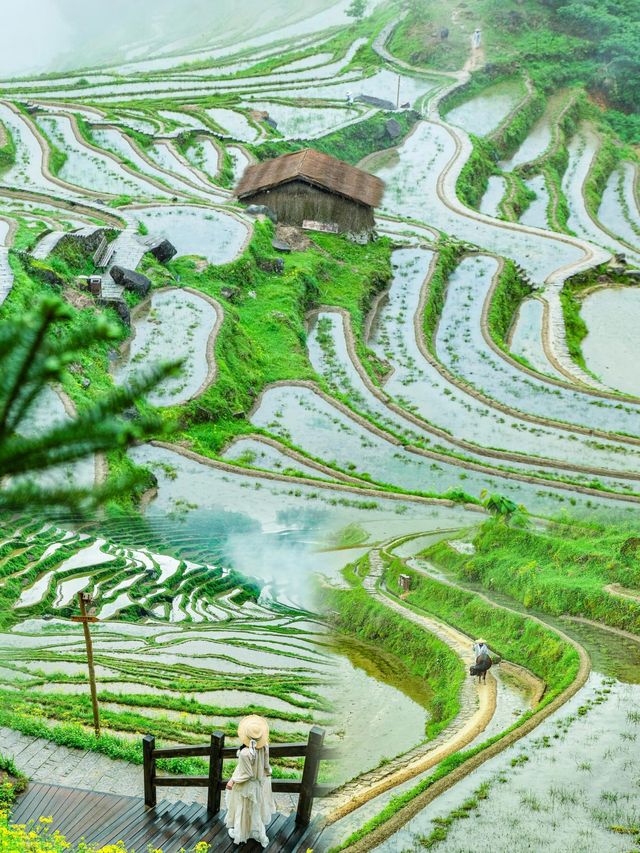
250	805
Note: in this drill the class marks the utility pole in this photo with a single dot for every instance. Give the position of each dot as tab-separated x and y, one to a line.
398	95
83	600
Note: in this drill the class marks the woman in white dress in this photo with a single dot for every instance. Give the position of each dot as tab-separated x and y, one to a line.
249	798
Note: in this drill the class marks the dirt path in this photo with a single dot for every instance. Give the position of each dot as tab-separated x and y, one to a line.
478	705
400	818
623	592
555	335
426	426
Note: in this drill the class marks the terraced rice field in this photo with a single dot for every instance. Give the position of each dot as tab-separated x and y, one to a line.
313	540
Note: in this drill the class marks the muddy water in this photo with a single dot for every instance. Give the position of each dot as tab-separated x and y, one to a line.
462	347
263	528
536	214
249	451
382	84
568	789
419	387
611	348
298	122
204	154
115	141
612	655
166	158
578	787
91	170
526	338
329	355
46	412
312	423
535	144
411	180
582	150
234	124
618	211
27	169
240	160
512	700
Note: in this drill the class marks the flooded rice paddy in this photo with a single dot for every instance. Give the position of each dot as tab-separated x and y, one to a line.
173	325
611	345
206	595
483	113
213	234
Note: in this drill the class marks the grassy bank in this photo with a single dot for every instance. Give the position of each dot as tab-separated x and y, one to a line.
509	293
263	337
561	570
512	636
7	150
351	143
474	176
449	255
571	296
517	637
560	43
355	612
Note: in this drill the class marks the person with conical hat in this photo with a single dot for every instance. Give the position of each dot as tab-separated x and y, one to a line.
249	797
480	648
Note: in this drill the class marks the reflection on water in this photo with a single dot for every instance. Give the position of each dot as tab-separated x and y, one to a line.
612	654
380	706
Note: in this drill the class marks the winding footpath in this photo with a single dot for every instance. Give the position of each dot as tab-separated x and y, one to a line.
554	333
391	826
478	705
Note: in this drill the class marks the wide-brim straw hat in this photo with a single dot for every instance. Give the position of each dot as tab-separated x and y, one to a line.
254	728
480	640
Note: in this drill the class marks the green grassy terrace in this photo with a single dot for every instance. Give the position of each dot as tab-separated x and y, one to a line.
562	569
354	612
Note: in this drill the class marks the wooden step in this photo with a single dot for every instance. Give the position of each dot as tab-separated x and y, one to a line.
102	819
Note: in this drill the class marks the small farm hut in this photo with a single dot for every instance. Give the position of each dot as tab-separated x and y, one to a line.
311	189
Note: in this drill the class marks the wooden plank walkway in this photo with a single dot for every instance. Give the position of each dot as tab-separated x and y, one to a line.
107	818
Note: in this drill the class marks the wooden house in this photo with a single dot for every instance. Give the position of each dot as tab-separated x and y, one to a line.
311	187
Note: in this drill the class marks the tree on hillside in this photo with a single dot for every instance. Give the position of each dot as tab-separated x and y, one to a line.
613	28
356	9
35	353
504	508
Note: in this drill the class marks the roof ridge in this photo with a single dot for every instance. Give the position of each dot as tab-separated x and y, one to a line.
316	167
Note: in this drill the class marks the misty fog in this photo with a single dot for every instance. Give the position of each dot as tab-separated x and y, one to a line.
42	36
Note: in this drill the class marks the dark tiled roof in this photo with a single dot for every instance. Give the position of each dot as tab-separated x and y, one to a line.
315	168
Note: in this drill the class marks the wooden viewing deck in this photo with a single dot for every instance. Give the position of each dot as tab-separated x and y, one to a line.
107	818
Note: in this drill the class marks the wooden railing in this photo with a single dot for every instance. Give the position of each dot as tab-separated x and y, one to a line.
307	787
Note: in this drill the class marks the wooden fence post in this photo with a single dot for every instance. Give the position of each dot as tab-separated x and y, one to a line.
149	764
309	775
215	773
